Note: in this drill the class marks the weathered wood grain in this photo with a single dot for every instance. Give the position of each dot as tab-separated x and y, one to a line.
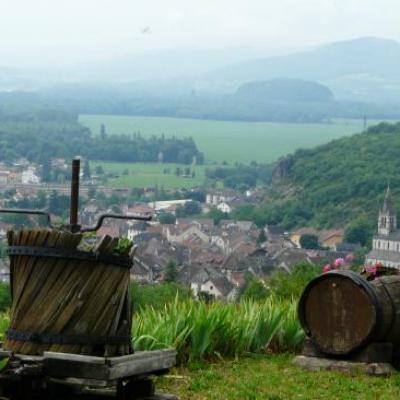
102	368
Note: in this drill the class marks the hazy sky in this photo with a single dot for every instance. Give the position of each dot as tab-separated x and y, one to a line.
55	31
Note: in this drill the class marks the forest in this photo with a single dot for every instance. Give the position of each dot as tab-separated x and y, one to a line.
335	183
38	134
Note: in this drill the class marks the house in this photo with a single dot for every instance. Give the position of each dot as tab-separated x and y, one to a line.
331	239
327	238
168	205
386	243
140	271
286	258
296	235
29	176
110	229
213	283
141	209
224	207
155	252
215	198
206	225
4	177
135	228
274	233
257	263
180	234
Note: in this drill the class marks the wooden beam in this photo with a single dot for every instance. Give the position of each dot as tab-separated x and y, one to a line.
64	365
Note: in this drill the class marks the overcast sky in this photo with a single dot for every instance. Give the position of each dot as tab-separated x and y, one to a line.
55	31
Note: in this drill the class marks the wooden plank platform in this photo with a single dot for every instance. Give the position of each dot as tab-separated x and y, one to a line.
62	365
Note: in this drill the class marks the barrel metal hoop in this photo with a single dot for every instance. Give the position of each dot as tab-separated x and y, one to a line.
32	251
393	306
52	338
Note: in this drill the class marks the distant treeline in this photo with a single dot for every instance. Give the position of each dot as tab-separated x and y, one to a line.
275	101
39	134
242	176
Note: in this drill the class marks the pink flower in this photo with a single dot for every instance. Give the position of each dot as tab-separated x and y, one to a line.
349	258
338	262
326	268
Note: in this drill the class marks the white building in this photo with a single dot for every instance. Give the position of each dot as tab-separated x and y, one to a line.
4	177
224	207
386	244
29	176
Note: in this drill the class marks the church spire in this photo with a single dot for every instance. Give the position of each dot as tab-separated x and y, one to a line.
388	207
387	221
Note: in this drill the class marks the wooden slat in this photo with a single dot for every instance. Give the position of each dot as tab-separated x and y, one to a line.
112	361
102	368
148	365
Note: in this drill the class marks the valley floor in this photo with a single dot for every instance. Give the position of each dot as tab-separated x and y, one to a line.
272	378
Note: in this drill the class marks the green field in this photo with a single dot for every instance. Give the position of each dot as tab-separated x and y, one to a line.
231	141
150	175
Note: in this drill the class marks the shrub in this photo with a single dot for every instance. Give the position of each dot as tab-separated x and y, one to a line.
290	285
5	297
157	295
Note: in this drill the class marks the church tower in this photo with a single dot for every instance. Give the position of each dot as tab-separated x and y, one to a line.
387	220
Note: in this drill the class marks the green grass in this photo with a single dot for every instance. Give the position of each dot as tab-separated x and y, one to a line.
273	377
231	141
150	175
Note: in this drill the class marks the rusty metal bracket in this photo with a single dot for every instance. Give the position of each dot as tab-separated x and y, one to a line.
115	216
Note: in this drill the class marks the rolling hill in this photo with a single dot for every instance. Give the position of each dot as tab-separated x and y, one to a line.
353	69
284	90
337	182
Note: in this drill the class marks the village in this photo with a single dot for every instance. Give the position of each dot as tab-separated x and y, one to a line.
212	257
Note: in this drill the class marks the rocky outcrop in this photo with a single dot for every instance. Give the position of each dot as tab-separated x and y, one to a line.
282	169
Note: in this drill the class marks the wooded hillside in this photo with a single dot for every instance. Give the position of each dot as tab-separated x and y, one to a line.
337	182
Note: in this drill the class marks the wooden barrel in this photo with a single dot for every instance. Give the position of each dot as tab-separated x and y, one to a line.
341	311
65	299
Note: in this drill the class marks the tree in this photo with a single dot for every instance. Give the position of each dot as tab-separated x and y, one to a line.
167	218
358	231
103	133
261	237
46	169
189	208
99	170
192	208
309	241
86	170
217	215
171	272
255	290
197	195
291	285
244	212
